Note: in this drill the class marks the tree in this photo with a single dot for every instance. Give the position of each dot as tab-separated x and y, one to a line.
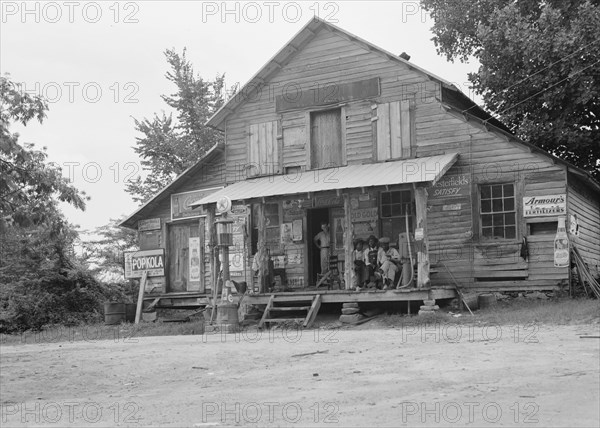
104	253
41	281
168	147
30	188
539	67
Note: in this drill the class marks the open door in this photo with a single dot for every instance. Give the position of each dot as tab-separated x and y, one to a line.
314	219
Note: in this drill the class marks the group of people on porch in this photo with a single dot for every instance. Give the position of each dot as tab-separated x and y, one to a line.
376	263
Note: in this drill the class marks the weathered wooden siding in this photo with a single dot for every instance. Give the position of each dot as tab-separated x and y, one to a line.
454	229
210	175
584	203
327	60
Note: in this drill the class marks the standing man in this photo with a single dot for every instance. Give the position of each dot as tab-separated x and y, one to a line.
323	241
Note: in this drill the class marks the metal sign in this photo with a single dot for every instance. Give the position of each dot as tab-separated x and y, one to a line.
452	186
548	205
180	203
149	224
152	261
223	204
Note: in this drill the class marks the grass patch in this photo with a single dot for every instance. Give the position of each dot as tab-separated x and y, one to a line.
90	333
563	311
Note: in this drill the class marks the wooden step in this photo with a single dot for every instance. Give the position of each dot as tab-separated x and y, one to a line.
298	320
290	308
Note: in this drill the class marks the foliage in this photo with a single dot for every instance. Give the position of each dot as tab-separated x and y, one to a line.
168	147
104	251
539	68
42	284
29	186
39	281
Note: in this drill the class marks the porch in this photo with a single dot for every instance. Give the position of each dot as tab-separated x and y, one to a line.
349	296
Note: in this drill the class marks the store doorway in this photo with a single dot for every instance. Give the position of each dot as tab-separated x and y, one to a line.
314	219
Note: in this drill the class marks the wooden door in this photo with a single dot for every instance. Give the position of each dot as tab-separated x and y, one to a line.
326	139
185	274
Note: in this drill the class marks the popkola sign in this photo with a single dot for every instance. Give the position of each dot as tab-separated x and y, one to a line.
152	261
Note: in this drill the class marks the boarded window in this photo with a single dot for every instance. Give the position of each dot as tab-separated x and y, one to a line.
395	139
498	211
263	150
326	149
395	206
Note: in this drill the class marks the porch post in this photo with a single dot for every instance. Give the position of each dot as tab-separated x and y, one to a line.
261	254
422	243
213	257
348	248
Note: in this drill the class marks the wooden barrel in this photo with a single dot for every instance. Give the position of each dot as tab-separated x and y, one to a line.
130	309
114	313
486	300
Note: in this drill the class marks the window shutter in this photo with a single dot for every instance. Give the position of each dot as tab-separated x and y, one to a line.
263	150
394	139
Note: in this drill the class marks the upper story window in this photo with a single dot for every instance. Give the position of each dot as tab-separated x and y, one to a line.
263	150
395	133
326	145
498	213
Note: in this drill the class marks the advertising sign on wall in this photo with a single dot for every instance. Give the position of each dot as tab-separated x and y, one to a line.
180	203
136	262
548	205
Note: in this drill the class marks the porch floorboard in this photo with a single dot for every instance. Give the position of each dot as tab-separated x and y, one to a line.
347	296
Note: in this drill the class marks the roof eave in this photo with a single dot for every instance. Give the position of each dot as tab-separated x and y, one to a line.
130	221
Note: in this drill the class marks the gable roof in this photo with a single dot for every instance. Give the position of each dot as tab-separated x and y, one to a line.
285	54
141	213
451	95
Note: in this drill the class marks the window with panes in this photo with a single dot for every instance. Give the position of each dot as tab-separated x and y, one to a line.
272	225
394	208
498	211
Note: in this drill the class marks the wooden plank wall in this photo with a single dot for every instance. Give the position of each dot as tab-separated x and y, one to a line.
327	60
585	203
485	157
211	175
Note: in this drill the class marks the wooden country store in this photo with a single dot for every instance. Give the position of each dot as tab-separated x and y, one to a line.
336	129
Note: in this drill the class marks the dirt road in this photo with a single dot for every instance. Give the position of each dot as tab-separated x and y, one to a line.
439	375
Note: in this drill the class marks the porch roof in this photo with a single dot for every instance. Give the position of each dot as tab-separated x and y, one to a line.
426	169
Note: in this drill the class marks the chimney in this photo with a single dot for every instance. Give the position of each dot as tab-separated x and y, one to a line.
405	56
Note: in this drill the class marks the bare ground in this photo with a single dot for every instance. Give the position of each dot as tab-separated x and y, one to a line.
435	375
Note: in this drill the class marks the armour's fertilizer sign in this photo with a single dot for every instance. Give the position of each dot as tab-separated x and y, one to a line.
549	205
136	262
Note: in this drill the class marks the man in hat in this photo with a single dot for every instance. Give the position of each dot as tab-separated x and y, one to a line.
388	261
372	253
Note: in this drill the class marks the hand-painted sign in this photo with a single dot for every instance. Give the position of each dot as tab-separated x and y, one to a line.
152	261
364	215
452	186
549	205
149	224
180	203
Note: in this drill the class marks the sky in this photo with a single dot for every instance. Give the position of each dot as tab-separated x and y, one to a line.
101	64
